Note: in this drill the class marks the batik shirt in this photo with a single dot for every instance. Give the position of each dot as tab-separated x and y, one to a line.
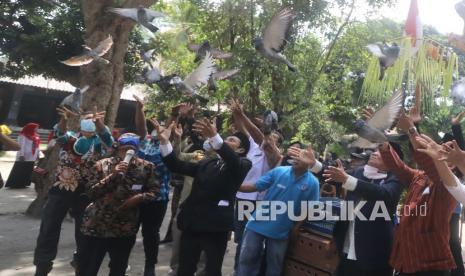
74	171
149	150
103	218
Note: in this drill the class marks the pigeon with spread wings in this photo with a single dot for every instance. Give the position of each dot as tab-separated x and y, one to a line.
140	15
273	40
201	49
371	132
90	54
387	55
196	79
153	75
221	75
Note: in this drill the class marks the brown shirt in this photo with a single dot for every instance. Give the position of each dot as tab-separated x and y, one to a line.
421	242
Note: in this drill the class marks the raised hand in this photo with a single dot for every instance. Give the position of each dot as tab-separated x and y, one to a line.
178	132
368	113
457	119
303	155
163	134
452	153
205	128
429	147
404	122
65	113
235	106
336	174
139	101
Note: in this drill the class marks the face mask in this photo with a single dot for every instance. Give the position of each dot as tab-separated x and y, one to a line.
154	134
206	146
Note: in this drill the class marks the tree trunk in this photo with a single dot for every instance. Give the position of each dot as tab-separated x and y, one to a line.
106	81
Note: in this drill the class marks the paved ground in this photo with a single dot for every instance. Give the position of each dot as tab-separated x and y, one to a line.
18	234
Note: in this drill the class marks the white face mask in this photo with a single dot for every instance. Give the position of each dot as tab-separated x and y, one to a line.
206	146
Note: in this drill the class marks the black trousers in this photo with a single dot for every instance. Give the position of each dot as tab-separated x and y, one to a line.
151	218
193	243
455	245
94	249
55	209
352	268
426	273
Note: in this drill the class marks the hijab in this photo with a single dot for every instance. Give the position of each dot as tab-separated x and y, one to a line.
30	132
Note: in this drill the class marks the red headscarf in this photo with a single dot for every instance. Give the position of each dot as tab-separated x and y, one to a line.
30	132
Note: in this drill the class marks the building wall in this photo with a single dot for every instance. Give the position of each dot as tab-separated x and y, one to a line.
20	105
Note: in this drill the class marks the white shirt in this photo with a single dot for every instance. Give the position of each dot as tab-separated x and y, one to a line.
26	149
259	167
457	191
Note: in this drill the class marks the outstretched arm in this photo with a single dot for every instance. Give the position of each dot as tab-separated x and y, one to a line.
169	157
240	116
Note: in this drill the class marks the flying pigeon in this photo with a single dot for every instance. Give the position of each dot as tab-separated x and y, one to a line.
153	75
90	54
221	75
201	49
270	122
197	78
140	15
387	55
147	56
372	132
74	100
458	92
273	40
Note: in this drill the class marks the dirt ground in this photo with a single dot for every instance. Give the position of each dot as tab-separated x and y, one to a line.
18	235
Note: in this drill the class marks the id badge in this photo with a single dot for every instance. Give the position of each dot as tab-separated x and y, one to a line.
136	187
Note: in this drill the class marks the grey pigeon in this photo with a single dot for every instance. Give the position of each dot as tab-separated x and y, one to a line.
273	40
147	56
74	101
387	55
197	78
458	92
270	122
460	9
140	15
372	132
205	47
221	75
153	75
90	54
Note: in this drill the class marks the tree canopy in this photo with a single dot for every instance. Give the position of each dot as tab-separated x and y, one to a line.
327	45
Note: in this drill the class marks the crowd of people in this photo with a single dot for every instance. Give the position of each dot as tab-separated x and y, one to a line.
113	184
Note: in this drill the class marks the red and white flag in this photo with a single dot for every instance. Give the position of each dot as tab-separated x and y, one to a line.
413	25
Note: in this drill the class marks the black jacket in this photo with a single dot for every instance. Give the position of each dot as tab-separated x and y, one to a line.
373	239
215	180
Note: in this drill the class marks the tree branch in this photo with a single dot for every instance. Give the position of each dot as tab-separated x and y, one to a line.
339	32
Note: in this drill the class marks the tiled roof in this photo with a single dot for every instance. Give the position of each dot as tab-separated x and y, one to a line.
52	84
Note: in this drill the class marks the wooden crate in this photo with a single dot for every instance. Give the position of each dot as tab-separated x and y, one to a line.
294	268
313	250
